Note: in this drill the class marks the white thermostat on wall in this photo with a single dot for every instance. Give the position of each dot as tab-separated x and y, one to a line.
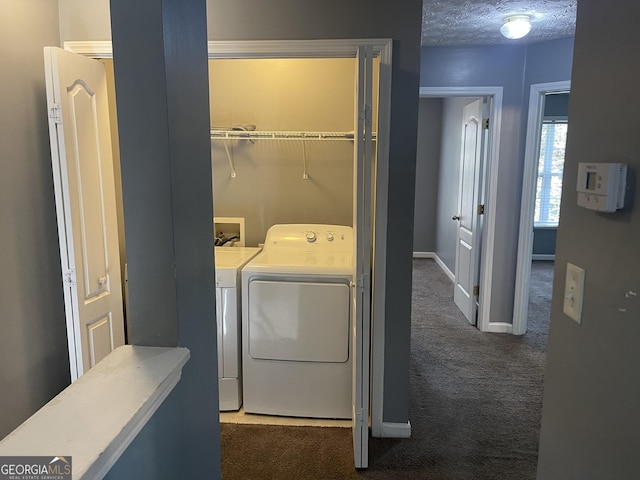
601	186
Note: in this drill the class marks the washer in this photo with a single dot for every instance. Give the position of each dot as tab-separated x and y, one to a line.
229	262
296	325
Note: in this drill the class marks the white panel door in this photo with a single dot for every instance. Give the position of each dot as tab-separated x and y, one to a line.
468	235
361	285
85	206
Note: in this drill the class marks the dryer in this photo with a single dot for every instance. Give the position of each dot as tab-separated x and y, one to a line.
229	262
296	323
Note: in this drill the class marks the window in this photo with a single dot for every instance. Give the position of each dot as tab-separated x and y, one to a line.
550	164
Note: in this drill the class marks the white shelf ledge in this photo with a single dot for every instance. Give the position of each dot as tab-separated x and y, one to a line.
95	419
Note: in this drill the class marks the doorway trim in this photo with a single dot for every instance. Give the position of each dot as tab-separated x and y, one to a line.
491	189
338	48
537	95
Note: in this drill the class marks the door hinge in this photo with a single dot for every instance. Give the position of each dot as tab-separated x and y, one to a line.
362	279
362	414
362	113
476	290
69	277
55	113
368	114
485	124
480	209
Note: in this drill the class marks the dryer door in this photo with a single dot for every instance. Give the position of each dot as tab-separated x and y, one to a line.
299	321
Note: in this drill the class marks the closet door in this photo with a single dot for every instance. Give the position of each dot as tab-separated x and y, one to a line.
361	284
84	188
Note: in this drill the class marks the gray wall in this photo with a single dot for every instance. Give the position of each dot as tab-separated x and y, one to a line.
449	180
590	421
34	364
161	78
512	67
291	19
82	20
427	165
549	61
544	240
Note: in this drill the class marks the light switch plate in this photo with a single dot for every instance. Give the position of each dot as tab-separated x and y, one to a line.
573	292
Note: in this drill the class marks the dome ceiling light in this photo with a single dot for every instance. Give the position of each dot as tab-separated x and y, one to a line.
516	26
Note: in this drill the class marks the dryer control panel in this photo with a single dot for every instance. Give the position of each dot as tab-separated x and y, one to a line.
309	237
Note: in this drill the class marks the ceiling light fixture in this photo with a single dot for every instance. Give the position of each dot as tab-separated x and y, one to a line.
516	26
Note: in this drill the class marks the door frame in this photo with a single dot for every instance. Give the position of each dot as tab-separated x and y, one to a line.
338	48
537	96
490	187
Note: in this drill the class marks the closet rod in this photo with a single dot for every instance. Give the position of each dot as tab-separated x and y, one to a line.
280	135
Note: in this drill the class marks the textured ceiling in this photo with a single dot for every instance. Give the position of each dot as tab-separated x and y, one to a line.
478	22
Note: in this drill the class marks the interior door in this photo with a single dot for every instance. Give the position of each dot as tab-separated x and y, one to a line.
468	235
85	205
361	285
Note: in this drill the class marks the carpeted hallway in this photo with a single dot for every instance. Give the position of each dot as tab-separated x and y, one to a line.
475	404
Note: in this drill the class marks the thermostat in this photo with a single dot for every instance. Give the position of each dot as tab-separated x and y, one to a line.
601	186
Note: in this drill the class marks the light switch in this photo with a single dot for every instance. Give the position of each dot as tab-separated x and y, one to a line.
573	292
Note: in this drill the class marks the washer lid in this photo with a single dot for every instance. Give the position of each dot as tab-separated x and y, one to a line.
229	261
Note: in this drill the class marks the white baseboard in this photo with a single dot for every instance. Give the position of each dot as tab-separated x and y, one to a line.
440	263
396	430
444	268
540	256
500	327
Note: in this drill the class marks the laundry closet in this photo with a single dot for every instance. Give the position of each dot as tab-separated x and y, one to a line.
294	160
282	152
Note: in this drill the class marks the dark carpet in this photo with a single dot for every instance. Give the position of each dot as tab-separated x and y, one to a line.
475	404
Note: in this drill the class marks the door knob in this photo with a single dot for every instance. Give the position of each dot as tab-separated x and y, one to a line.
455	217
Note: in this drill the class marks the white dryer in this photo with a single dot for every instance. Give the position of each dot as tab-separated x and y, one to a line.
229	262
296	323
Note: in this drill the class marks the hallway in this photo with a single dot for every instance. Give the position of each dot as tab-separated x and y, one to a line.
475	397
475	407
